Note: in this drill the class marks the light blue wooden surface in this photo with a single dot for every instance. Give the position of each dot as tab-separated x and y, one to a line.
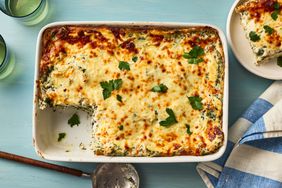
16	90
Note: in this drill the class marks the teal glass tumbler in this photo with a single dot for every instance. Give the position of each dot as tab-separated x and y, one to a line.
28	12
6	62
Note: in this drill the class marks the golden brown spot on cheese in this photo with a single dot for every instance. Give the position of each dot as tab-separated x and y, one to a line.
129	45
122	136
130	78
93	45
118	33
170	137
127	147
160	144
176	146
274	39
156	39
146	126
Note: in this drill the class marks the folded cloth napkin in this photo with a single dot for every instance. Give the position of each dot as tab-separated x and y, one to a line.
253	157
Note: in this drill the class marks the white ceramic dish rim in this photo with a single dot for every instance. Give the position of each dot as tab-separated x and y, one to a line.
174	159
236	53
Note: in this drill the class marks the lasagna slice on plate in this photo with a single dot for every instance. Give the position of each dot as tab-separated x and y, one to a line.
262	22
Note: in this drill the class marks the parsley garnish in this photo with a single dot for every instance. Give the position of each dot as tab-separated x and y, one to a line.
274	15
254	37
74	120
116	83
196	102
195	60
268	29
186	55
170	120
135	58
160	88
123	65
106	93
276	6
120	127
109	86
279	61
188	129
194	55
61	136
119	98
196	52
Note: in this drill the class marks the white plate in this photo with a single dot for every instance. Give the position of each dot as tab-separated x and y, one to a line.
242	49
47	123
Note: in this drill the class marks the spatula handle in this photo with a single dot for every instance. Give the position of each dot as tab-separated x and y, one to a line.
42	164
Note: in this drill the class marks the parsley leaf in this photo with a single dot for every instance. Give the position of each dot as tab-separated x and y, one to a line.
188	129
106	93
119	98
186	55
74	120
123	65
61	136
254	37
279	61
170	120
116	84
135	58
195	60
276	6
120	127
196	52
160	88
193	55
268	29
109	86
196	102
274	15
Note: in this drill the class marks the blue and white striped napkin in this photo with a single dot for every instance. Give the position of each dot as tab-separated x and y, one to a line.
253	157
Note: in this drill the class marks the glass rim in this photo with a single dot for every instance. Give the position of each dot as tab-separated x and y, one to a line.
5	12
5	46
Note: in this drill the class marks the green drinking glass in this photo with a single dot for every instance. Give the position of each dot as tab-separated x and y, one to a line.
6	62
29	12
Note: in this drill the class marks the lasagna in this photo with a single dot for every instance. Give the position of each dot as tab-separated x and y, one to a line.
150	91
262	22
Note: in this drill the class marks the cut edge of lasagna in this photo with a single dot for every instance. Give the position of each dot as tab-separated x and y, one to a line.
261	21
151	91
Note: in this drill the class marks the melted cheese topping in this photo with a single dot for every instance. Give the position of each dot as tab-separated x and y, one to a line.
75	60
255	14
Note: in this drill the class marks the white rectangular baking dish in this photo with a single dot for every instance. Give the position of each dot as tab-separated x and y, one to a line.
48	123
